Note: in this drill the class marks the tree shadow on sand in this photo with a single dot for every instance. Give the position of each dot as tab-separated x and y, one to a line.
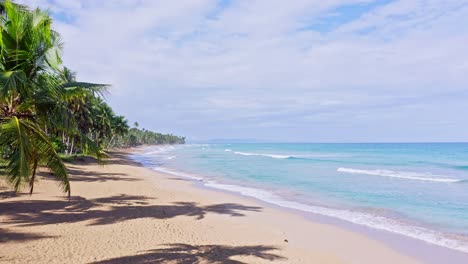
188	254
11	236
121	158
94	176
109	210
77	175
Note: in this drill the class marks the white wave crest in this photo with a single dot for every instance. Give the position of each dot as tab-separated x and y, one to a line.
263	155
178	173
400	174
286	156
360	218
158	150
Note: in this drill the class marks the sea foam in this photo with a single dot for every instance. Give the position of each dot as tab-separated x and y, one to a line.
284	156
263	155
178	173
355	217
400	174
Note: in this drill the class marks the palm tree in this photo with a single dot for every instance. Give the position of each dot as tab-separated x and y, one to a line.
74	107
44	110
29	49
38	95
119	127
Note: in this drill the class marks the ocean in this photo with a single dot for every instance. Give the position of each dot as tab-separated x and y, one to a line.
419	190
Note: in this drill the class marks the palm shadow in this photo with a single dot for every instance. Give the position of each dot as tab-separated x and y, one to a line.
188	254
78	175
8	192
121	158
109	210
115	157
7	236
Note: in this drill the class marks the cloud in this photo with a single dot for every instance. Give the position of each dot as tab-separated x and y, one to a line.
306	70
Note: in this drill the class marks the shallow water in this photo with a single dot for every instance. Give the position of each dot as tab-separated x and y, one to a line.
417	190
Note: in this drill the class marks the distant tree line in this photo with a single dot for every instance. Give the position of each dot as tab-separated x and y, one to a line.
135	137
45	112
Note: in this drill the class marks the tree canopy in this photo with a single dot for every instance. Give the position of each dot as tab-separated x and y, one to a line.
44	111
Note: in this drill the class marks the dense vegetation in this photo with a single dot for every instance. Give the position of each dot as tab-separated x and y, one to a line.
44	111
135	137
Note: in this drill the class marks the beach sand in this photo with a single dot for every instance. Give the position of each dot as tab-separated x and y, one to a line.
124	213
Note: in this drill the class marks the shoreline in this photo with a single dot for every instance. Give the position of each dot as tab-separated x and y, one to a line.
410	246
126	213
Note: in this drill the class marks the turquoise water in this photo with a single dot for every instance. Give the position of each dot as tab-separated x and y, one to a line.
416	190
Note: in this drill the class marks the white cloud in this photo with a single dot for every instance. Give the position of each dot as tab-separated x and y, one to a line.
208	71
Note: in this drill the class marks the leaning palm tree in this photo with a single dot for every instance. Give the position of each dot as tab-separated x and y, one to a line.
29	48
37	95
119	128
73	107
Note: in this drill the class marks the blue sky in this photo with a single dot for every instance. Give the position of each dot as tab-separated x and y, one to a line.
317	71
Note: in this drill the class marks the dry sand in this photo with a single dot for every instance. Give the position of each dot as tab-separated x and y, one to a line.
125	213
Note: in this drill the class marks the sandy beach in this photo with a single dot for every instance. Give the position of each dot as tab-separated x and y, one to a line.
124	213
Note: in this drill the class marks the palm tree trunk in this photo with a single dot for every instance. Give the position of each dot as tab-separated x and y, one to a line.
111	141
67	151
31	182
71	148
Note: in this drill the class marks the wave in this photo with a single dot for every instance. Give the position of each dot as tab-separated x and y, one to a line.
171	157
158	150
284	156
263	155
361	218
400	175
177	173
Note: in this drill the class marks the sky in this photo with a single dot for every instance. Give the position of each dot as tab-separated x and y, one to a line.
305	71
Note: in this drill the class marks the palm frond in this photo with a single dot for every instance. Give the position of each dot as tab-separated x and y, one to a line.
89	147
14	135
96	88
47	155
28	144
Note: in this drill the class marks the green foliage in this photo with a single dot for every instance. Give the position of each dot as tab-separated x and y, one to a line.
45	113
29	147
136	137
59	146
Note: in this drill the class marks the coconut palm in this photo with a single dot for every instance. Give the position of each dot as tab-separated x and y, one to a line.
29	48
36	95
119	127
44	110
73	109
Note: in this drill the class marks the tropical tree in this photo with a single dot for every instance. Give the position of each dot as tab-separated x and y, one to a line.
44	111
34	94
28	49
119	128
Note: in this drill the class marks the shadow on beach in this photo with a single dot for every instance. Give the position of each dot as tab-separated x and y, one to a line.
108	210
115	157
79	175
123	207
188	254
121	158
11	236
